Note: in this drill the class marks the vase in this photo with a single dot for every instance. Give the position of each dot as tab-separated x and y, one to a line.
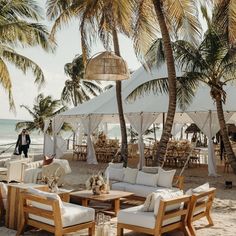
96	190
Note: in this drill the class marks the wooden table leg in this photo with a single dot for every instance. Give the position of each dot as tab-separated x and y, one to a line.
85	202
116	206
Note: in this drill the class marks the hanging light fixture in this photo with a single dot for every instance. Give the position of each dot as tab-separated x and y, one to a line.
106	66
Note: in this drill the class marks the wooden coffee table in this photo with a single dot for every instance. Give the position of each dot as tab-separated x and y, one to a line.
114	196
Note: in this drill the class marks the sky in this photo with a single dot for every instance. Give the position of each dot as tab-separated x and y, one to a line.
68	46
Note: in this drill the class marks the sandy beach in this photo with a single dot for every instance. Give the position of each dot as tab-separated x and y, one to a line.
224	208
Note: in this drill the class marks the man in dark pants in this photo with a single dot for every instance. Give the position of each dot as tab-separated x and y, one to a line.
23	143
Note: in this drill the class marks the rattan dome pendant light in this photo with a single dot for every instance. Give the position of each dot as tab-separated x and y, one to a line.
106	66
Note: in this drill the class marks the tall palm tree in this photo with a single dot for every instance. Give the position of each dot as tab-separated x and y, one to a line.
18	28
104	17
76	89
43	108
213	63
169	16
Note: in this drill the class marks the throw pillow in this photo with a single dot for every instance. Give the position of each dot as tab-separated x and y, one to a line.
167	196
202	188
130	175
149	203
47	160
165	178
150	169
4	190
46	195
115	174
146	179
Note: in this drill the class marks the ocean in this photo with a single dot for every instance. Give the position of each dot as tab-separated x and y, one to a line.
8	137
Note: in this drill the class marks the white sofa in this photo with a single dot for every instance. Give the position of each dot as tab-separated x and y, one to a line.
139	182
33	171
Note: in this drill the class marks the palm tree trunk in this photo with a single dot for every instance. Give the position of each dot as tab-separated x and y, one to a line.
223	130
161	149
124	145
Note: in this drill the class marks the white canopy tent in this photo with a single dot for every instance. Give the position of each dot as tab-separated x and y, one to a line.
147	109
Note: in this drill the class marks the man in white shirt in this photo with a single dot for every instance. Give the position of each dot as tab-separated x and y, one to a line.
23	143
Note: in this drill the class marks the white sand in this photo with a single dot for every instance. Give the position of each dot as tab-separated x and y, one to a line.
224	207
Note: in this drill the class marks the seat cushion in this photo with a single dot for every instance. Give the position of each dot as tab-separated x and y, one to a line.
135	216
119	186
73	215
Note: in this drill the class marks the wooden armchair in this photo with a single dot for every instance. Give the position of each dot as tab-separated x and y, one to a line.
170	216
200	207
46	213
3	200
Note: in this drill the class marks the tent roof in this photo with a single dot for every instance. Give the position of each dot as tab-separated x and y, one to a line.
106	105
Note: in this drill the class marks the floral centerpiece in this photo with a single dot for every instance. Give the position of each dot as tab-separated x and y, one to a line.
97	184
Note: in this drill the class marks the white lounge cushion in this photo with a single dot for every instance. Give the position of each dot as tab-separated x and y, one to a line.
146	179
165	178
73	215
140	190
167	196
45	195
121	186
135	216
130	175
115	174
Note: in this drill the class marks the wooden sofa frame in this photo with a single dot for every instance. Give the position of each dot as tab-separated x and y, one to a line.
197	204
2	209
54	215
163	215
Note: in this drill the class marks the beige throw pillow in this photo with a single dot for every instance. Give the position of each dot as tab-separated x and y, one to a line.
130	175
165	178
150	202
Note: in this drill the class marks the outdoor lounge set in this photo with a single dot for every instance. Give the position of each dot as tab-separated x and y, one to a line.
165	207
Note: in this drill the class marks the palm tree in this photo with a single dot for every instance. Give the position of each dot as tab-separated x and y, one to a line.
43	108
76	89
104	18
214	63
170	16
18	29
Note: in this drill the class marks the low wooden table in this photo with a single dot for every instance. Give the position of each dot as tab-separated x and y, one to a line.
114	196
13	211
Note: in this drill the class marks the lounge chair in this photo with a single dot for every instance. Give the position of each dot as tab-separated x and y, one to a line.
52	215
170	216
200	207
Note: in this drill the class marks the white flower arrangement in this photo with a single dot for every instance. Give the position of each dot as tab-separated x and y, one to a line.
96	183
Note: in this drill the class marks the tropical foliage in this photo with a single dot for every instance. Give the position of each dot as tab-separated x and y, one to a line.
19	28
76	89
43	108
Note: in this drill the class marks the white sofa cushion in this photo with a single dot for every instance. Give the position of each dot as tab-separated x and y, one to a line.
200	189
167	196
140	190
146	179
73	215
121	186
45	195
135	216
165	178
115	174
130	175
150	169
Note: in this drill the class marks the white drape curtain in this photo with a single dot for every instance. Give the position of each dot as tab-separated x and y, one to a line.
208	123
57	123
46	125
48	145
141	122
90	123
176	128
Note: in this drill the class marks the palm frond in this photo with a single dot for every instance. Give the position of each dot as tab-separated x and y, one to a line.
24	64
32	113
145	28
29	124
159	85
183	15
5	81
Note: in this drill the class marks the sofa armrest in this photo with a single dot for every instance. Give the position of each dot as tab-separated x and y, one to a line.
178	182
